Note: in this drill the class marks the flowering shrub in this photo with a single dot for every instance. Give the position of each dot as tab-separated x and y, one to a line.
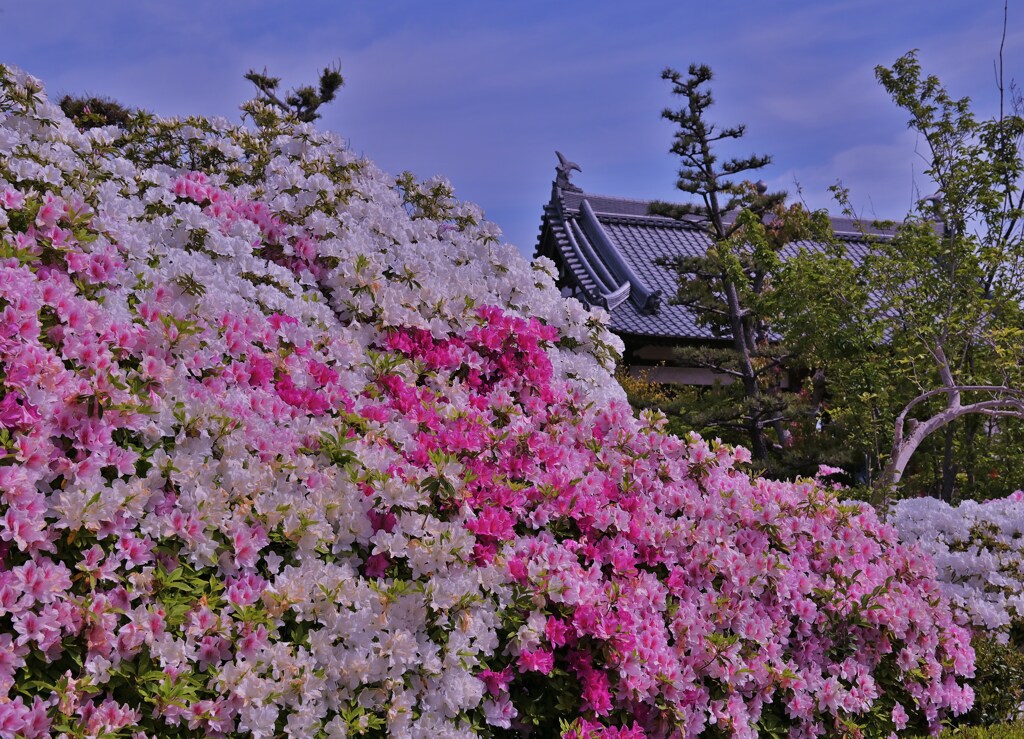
978	549
289	447
998	682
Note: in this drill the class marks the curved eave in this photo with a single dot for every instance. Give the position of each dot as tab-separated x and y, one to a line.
646	299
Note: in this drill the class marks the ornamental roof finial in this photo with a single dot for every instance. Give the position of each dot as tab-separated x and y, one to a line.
564	171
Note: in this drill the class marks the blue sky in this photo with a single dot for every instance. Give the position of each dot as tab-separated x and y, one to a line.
484	92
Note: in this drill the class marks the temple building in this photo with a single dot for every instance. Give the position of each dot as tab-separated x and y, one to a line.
607	251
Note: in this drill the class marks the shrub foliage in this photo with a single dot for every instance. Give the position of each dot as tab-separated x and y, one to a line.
291	447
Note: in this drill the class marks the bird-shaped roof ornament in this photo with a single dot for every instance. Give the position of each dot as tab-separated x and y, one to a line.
564	171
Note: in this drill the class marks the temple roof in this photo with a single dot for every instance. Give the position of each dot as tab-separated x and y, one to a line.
609	247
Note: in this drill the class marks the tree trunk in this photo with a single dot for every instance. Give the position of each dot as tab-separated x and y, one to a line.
1009	402
748	376
758	441
949	467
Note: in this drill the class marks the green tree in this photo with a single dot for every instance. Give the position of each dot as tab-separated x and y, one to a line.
91	111
729	287
303	102
922	341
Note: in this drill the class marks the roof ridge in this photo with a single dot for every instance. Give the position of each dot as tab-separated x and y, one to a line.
587	195
843	226
647	220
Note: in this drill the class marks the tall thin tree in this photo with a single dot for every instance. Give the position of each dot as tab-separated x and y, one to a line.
727	286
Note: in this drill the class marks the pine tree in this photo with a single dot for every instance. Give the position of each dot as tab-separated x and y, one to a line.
303	102
729	287
92	111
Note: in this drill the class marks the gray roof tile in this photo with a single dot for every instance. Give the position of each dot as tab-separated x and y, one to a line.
642	239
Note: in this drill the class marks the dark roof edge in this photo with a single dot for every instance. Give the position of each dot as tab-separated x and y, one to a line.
646	299
649	220
844	227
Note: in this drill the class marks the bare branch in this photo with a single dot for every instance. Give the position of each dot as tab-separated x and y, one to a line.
997	389
904	448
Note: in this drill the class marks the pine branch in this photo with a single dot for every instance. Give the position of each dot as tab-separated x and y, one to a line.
302	102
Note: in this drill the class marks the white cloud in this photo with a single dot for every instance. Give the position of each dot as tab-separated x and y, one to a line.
884	179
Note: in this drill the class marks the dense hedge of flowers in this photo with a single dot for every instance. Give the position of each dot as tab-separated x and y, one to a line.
978	550
290	447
